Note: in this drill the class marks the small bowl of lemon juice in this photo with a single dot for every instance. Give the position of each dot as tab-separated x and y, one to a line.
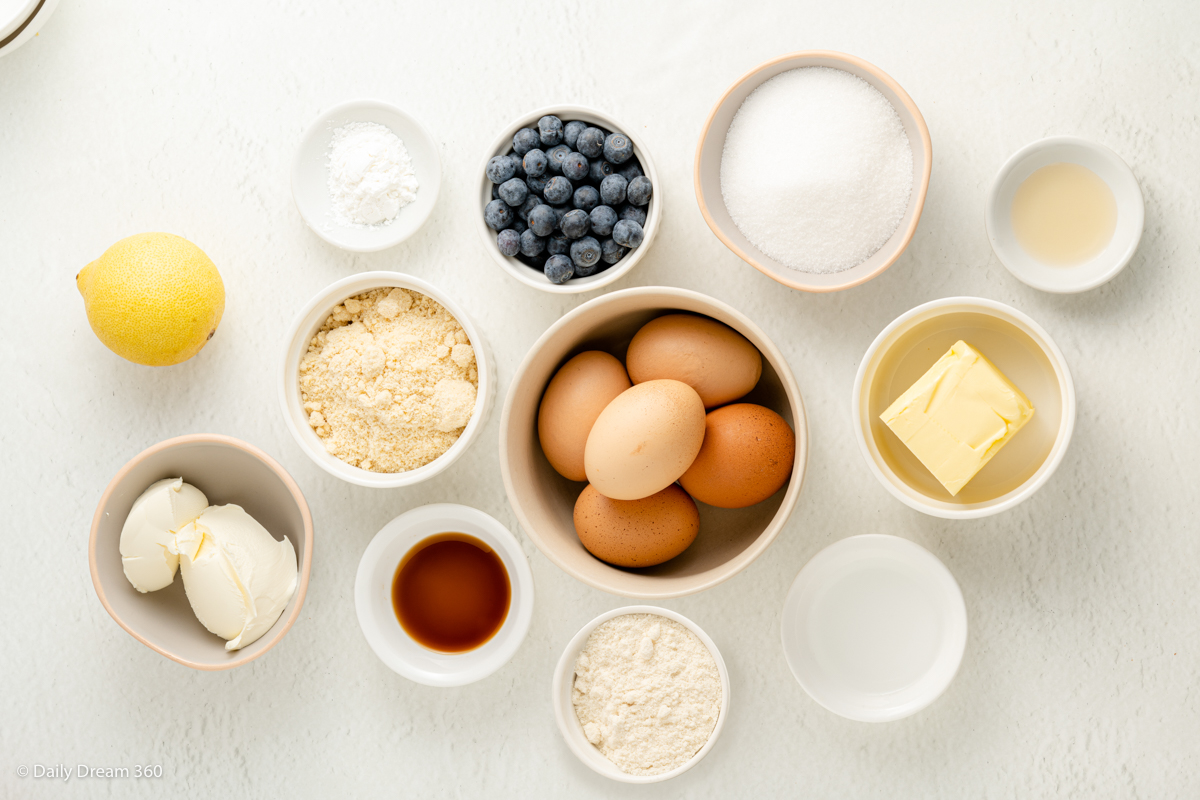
1064	214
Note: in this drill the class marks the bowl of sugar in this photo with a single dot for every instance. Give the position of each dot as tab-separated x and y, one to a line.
813	169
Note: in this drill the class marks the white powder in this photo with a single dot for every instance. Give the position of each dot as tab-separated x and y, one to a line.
370	175
647	693
817	169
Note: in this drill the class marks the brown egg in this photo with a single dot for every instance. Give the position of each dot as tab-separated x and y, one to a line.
573	400
746	457
636	533
644	440
711	357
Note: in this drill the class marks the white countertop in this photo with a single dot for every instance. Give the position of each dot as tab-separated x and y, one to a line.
1083	660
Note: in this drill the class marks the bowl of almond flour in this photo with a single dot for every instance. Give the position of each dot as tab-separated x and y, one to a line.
641	694
386	381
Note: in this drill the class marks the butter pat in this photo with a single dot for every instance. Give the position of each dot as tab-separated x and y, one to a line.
958	415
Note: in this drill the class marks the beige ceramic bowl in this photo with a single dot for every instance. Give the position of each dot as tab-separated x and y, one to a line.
544	501
227	470
1021	349
712	145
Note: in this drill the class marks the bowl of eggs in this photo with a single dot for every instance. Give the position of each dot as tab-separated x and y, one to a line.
653	442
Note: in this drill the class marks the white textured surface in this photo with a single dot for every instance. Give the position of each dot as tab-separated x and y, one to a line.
1084	651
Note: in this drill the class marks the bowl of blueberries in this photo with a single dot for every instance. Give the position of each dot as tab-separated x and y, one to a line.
568	200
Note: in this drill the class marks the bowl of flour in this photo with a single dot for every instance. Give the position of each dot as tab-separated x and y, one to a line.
813	168
366	176
641	694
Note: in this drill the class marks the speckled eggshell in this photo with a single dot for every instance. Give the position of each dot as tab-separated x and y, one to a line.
573	400
644	439
711	357
636	533
747	456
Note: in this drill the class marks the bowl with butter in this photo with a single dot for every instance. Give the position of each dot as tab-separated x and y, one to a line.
964	407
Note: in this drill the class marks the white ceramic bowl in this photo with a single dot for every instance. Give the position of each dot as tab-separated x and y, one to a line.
707	170
1020	348
1112	170
310	176
532	277
377	618
564	708
306	325
874	628
20	21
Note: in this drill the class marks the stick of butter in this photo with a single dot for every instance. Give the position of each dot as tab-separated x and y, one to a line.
958	415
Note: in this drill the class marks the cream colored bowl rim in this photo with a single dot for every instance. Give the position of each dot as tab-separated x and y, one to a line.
1065	428
799	418
918	198
305	561
564	709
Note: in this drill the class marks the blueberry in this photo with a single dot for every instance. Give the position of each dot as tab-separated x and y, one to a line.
633	213
627	233
630	169
534	163
612	190
495	192
532	244
531	202
514	191
585	253
535	262
556	155
559	269
519	225
525	140
537	185
598	170
500	169
550	130
558	246
574	166
560	211
509	242
587	198
575	224
497	215
518	166
617	148
558	190
603	218
571	132
611	252
541	220
591	142
639	191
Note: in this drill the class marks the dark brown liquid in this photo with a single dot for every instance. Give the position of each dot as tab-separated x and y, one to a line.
451	593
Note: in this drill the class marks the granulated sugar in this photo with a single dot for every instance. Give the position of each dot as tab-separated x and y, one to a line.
817	169
647	693
371	175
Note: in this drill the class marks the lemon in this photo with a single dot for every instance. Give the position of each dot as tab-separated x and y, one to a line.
154	298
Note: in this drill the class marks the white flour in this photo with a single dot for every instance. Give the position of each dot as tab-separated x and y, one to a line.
371	176
647	693
817	169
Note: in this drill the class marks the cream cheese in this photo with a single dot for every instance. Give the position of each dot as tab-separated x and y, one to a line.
148	535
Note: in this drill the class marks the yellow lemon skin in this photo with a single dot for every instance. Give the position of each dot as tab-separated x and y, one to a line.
154	298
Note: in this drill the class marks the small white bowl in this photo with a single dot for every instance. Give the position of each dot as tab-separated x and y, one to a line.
20	21
1111	169
874	628
377	617
310	176
306	325
1021	349
530	276
564	707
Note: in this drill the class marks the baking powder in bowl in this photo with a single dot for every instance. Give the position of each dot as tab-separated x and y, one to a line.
647	693
371	175
817	169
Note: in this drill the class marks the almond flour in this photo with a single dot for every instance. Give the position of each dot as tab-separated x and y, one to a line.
389	381
647	693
